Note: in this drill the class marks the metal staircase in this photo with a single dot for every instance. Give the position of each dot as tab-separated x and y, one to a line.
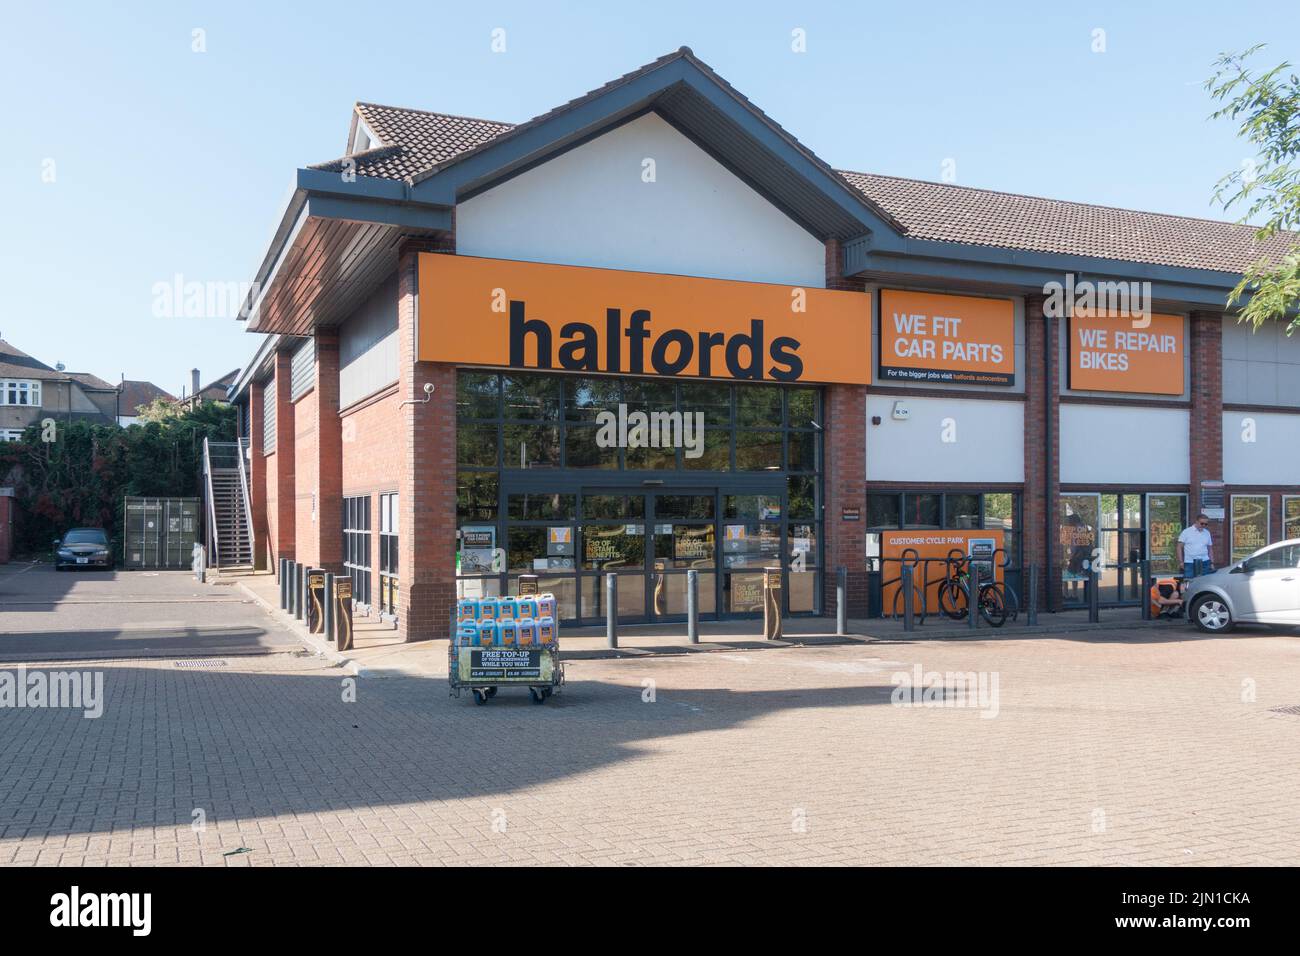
229	515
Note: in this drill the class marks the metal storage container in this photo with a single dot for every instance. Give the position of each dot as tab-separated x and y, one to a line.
160	533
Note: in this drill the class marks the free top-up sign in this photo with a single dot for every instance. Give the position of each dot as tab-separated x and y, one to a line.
532	315
1114	354
931	337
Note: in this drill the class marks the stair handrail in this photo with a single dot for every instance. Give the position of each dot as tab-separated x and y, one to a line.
248	506
214	554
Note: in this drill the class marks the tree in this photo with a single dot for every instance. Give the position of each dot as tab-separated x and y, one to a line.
1267	107
82	476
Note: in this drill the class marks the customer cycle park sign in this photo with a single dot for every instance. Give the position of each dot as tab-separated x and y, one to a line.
531	315
928	337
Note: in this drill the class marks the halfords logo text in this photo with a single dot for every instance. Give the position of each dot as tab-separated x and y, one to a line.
630	346
74	908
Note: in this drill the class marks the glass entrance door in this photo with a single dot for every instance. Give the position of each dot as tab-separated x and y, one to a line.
684	538
651	539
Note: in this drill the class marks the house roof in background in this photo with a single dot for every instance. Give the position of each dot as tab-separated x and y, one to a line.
15	363
94	382
137	393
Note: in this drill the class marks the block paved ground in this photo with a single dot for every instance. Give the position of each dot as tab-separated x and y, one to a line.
1108	748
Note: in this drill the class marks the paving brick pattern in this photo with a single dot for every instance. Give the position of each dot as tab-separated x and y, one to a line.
1108	749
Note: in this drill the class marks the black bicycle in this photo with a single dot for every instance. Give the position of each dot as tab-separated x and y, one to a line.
954	589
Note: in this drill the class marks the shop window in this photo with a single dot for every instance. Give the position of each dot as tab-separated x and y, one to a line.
356	546
1166	518
758	451
889	511
766	507
717	452
613	506
1291	516
1249	525
801	408
477	444
477	395
541	506
388	552
531	446
921	511
531	397
582	450
585	398
961	511
758	407
476	496
713	400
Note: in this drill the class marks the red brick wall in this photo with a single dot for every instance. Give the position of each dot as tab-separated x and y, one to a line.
1206	418
257	478
306	465
428	475
327	532
281	511
1042	463
844	469
373	457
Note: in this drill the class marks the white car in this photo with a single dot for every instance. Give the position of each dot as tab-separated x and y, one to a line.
1261	589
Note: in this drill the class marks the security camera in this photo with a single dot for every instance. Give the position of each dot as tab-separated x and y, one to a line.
428	388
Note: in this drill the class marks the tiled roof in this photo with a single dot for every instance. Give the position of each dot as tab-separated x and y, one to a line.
86	380
948	213
15	363
136	393
414	142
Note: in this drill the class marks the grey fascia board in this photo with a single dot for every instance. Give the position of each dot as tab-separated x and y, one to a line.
1026	268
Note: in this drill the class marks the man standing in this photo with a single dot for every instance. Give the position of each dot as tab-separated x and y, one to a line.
1194	548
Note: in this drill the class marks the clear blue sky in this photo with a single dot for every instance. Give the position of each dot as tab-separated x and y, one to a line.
169	161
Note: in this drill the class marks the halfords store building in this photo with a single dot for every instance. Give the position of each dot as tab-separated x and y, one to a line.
458	309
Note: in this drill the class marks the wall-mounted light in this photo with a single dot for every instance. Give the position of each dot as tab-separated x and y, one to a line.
428	394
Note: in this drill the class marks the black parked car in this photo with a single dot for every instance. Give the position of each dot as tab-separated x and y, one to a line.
83	548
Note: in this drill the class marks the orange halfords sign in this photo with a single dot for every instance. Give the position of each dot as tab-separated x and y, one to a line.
930	337
1111	354
537	316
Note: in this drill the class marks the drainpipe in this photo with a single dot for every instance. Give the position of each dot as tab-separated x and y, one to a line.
1051	345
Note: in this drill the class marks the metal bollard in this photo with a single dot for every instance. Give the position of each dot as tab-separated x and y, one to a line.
1094	597
905	582
300	602
611	609
841	601
972	600
693	606
772	604
282	578
328	607
1144	593
290	578
1032	594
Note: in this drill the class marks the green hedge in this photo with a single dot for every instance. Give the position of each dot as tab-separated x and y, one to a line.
82	476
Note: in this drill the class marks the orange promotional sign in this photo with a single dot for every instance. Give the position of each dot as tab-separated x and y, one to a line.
983	546
532	315
931	337
1112	354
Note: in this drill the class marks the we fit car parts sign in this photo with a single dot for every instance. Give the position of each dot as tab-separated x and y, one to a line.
928	337
532	315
